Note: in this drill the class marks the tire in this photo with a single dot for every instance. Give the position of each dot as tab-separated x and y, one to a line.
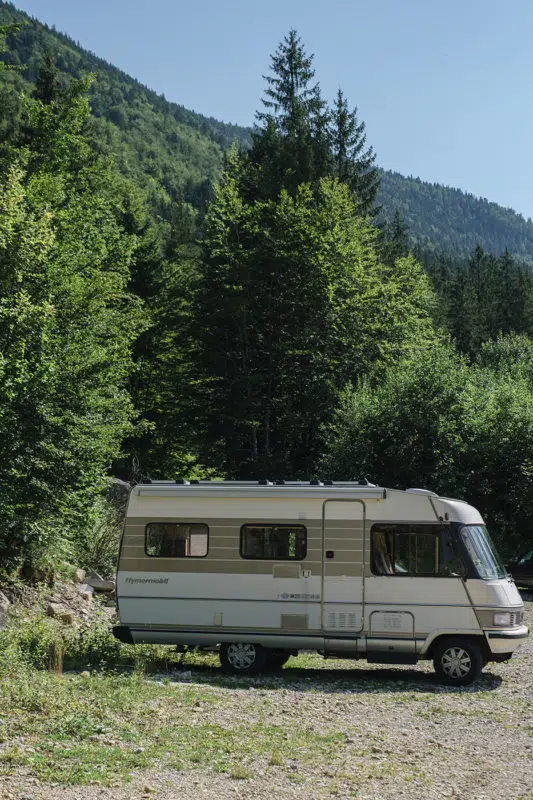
276	660
458	662
242	658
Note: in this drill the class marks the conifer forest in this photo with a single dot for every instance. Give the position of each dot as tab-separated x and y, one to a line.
181	297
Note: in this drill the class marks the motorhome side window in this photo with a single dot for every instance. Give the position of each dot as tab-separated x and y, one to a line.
176	540
276	542
404	549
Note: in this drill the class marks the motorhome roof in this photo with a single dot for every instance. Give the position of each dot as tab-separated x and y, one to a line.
255	488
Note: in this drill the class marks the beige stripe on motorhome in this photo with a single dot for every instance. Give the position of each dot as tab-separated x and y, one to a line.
233	566
344	537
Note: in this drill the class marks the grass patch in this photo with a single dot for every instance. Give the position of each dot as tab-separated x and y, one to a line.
74	730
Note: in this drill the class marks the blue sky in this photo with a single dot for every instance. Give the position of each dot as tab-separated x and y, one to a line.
444	87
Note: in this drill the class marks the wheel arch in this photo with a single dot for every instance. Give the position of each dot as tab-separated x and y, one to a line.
478	639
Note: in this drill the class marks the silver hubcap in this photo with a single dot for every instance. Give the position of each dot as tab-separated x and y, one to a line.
456	662
241	656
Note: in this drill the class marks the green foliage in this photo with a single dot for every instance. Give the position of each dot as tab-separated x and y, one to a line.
351	162
4	31
482	297
299	140
67	323
95	546
294	302
435	422
291	145
32	640
252	337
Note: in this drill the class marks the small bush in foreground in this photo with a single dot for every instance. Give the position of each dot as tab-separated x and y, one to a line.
33	640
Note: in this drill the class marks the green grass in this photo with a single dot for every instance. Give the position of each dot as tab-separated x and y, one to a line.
76	730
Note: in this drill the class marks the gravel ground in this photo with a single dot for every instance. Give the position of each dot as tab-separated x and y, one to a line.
399	735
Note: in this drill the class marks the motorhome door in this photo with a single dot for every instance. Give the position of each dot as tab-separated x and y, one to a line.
343	539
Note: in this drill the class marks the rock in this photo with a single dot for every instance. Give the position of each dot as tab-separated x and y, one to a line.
4	606
86	592
4	602
60	612
80	575
52	609
85	674
100	584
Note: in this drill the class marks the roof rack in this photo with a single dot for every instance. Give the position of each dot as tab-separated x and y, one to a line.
262	482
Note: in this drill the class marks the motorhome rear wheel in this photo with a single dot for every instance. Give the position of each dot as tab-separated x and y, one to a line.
242	658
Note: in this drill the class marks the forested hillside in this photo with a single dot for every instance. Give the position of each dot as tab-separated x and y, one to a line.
441	218
168	150
174	153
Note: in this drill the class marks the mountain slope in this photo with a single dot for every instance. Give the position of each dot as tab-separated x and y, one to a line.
171	151
446	219
174	153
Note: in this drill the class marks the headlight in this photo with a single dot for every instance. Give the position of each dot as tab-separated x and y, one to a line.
503	619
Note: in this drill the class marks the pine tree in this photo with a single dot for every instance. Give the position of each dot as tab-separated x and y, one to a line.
293	303
291	144
47	88
395	239
5	30
351	162
512	297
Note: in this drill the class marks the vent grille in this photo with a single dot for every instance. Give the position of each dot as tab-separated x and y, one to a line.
342	621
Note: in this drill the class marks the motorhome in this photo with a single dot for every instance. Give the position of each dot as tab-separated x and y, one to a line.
265	569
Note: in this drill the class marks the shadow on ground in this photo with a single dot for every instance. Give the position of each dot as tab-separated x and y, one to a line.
345	681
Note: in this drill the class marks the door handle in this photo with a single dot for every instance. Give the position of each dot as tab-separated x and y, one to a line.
330	554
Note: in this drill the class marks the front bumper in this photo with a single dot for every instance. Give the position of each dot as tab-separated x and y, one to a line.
506	641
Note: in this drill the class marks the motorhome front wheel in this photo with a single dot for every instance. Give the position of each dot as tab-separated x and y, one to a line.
242	658
458	661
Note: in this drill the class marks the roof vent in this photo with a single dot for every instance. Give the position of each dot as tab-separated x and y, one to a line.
280	483
181	482
422	491
316	482
265	482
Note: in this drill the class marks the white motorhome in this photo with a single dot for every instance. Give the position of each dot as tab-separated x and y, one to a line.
264	569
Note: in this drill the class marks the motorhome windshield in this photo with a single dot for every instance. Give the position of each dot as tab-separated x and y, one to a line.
482	552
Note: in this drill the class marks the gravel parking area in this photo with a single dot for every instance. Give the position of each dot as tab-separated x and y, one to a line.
351	730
